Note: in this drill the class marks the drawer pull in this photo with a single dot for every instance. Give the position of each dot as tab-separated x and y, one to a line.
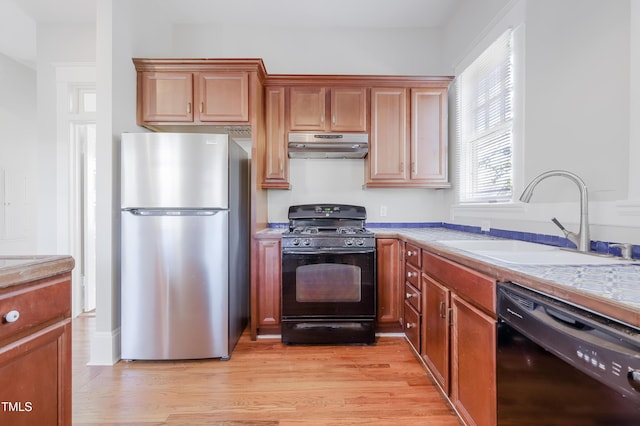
410	325
12	316
412	274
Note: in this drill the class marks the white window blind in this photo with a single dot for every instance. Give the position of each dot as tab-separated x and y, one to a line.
485	125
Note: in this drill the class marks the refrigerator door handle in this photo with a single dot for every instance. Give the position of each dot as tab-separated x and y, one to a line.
173	212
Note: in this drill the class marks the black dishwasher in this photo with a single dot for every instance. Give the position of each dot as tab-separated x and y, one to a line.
558	364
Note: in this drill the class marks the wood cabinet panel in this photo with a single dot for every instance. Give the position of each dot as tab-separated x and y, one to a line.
412	325
307	108
413	296
473	375
223	96
389	273
435	330
429	135
268	286
348	109
466	282
276	163
388	154
165	97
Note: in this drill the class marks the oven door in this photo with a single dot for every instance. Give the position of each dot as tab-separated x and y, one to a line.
328	284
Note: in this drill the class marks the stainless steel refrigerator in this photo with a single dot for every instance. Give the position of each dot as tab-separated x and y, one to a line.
184	245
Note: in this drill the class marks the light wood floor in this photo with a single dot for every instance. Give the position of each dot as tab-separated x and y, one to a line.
264	383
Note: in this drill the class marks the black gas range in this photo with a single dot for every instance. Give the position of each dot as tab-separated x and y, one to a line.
327	226
328	276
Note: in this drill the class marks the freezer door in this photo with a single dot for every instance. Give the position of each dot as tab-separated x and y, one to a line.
174	285
174	170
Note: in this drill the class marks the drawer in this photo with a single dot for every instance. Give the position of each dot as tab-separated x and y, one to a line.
471	285
412	255
413	296
412	325
37	304
412	275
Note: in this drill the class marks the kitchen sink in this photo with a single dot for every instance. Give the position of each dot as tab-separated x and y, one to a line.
526	253
497	245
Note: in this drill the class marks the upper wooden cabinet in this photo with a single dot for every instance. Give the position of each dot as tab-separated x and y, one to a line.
276	163
345	111
399	157
205	92
198	97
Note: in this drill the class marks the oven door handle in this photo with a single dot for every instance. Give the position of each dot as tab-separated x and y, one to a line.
328	251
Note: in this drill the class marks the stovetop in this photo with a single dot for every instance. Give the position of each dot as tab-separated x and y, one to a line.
327	226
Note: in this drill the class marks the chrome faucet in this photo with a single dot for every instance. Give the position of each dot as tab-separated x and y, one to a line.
581	239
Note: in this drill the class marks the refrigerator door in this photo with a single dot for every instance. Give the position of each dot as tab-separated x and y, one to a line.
174	284
174	170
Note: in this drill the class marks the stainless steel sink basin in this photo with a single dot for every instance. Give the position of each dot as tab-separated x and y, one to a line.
525	253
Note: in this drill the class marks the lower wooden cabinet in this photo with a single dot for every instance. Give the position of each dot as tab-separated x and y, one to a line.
390	282
266	286
35	353
459	336
435	330
473	363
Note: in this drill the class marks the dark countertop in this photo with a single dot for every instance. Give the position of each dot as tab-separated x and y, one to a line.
15	270
610	290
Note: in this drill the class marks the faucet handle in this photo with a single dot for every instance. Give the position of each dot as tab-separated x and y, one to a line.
626	249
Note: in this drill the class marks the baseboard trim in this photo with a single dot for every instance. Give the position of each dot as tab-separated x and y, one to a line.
105	348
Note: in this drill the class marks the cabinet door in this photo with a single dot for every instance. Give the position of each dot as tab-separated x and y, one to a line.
349	109
389	269
429	135
276	164
307	108
269	266
165	97
35	378
388	155
473	369
223	96
435	330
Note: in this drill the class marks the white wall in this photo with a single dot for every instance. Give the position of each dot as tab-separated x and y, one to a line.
576	112
17	157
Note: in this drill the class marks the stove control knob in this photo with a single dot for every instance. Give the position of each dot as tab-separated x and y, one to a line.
295	242
348	242
306	242
360	242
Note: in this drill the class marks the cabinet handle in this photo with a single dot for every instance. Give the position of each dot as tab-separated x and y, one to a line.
322	118
281	165
201	106
410	325
188	107
450	316
410	253
410	295
414	168
443	313
402	167
11	316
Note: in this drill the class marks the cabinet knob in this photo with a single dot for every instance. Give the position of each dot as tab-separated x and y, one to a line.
11	316
412	274
410	295
410	325
409	253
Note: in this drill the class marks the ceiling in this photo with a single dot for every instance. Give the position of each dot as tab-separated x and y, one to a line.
19	18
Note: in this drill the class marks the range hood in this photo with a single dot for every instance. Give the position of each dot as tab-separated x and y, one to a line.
328	145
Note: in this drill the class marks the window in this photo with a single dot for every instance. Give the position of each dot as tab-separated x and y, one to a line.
485	125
